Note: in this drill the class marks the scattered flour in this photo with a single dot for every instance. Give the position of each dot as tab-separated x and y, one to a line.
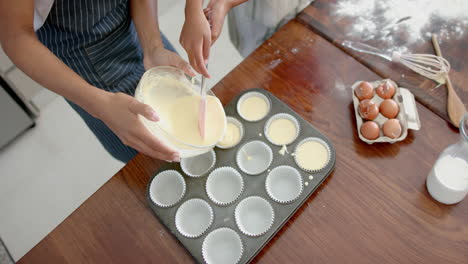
397	24
273	64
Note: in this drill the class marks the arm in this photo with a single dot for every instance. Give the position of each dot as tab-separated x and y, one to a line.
145	17
118	111
20	43
216	11
195	37
202	28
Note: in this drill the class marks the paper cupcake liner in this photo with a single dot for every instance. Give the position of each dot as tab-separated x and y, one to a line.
284	184
281	116
199	165
251	94
254	157
222	245
237	123
254	205
224	186
321	141
167	188
193	218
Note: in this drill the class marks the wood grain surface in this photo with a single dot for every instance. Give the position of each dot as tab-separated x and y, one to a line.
322	17
374	208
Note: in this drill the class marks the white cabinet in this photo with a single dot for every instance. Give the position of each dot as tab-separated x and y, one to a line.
14	120
25	88
5	63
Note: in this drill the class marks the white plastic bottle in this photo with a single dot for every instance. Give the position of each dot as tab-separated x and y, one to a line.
448	180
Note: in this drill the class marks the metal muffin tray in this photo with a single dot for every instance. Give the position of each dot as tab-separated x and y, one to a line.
253	184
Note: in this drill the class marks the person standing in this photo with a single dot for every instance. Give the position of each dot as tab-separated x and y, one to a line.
93	53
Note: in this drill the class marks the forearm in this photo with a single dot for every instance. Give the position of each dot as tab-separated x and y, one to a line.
41	65
234	3
145	17
193	6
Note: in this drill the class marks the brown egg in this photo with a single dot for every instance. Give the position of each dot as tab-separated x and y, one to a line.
389	108
364	91
386	90
370	130
368	109
392	128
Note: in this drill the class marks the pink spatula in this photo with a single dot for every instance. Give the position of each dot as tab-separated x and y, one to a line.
202	108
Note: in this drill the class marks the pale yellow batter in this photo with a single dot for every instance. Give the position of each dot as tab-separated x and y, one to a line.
184	116
282	131
312	155
177	105
254	108
231	137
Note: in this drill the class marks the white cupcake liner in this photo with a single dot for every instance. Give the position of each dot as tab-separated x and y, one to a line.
254	157
224	185
281	116
167	188
284	184
222	245
237	123
321	141
252	94
193	218
254	216
198	165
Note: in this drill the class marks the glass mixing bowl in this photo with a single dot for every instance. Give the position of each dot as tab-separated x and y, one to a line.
149	87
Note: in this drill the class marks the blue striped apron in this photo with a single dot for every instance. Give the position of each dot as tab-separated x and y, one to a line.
97	39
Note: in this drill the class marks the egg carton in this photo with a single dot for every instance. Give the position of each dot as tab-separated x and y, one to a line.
408	113
225	216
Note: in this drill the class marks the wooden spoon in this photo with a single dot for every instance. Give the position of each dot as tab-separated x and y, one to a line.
455	107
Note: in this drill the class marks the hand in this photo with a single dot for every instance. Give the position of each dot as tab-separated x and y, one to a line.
159	56
195	38
215	12
120	112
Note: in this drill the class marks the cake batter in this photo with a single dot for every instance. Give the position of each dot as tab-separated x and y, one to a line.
282	131
254	108
177	104
183	120
312	156
231	137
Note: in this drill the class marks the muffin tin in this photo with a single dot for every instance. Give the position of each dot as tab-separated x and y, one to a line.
408	113
245	219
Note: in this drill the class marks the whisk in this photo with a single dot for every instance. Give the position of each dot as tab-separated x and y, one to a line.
428	65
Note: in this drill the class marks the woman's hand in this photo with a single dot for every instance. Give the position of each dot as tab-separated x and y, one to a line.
195	37
120	112
159	56
215	12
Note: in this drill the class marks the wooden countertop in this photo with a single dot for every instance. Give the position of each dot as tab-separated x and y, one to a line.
374	208
323	17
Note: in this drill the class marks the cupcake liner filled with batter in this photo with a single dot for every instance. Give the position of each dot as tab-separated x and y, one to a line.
234	134
282	129
312	154
253	106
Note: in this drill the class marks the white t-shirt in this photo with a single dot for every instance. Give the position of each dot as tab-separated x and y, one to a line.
41	11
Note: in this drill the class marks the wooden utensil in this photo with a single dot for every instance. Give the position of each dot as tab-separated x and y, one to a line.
455	107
